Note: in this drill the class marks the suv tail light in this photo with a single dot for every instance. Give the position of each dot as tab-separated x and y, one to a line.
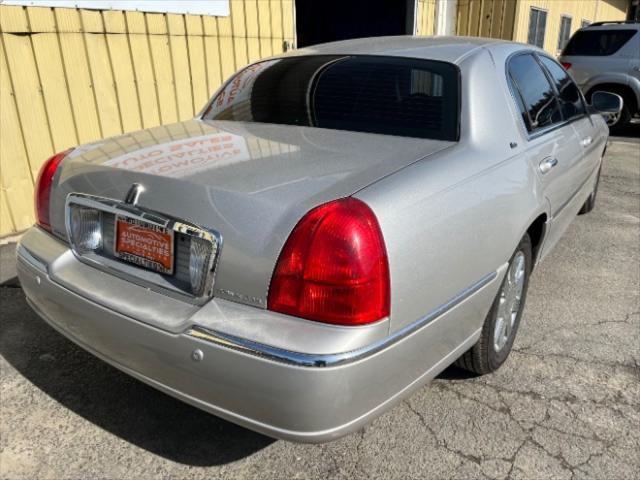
334	267
566	65
43	188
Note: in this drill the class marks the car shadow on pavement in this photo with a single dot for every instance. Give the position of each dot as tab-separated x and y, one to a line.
456	373
112	400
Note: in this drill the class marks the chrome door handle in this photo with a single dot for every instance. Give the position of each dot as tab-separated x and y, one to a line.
586	141
547	164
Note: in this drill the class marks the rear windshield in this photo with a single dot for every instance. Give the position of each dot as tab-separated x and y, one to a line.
376	94
597	42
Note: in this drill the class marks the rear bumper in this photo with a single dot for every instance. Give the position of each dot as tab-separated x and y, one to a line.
310	402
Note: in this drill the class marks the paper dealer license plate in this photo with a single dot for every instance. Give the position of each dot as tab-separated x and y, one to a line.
144	244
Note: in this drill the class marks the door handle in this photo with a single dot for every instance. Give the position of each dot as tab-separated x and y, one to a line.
547	164
585	142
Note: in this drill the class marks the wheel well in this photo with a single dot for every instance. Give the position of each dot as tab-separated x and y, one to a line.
623	90
536	233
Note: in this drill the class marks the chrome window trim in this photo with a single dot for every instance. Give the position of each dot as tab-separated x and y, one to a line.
529	136
299	359
117	207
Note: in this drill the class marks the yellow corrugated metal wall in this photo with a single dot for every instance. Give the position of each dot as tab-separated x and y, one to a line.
73	76
425	17
589	10
509	19
486	18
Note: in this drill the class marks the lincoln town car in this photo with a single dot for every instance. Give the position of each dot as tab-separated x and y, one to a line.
336	227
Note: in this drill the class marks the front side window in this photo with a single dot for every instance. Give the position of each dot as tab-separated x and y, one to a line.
362	93
597	42
537	27
539	104
565	31
568	93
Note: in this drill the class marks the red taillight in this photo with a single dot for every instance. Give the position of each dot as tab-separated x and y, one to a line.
334	267
43	188
566	65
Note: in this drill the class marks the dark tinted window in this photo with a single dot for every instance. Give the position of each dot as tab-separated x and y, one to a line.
597	42
537	27
536	94
377	94
568	92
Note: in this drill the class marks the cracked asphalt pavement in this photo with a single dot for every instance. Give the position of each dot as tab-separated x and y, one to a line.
565	405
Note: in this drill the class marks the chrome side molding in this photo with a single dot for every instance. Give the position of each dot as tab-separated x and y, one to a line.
299	359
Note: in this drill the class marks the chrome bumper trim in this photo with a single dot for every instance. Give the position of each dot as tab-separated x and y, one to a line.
335	359
27	257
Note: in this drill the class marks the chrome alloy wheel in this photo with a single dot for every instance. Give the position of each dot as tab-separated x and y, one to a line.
612	118
509	303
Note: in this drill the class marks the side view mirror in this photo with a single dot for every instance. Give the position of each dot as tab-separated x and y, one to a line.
606	102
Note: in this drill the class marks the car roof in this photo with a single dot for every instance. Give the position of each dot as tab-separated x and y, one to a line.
445	48
613	26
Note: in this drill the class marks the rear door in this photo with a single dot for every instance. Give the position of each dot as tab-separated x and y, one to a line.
553	147
574	110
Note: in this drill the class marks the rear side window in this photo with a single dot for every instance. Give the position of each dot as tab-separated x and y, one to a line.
568	92
375	94
597	42
537	99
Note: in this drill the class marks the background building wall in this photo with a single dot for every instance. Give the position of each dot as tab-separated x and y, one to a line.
72	76
486	18
425	17
509	19
589	10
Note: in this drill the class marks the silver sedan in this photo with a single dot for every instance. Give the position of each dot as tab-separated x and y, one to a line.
336	227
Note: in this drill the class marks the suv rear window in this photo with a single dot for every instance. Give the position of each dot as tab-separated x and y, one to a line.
363	93
597	42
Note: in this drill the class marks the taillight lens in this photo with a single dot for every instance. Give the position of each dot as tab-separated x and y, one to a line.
334	267
566	65
43	188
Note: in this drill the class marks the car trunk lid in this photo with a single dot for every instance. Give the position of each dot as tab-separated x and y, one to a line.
250	182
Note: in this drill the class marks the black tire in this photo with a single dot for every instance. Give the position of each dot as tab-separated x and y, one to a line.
482	357
590	203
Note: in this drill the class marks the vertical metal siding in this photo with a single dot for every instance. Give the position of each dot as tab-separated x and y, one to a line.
486	18
73	76
426	17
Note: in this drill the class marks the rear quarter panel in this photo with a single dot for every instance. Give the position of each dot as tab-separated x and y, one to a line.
453	218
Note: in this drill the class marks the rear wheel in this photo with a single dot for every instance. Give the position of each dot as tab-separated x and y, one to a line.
500	326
